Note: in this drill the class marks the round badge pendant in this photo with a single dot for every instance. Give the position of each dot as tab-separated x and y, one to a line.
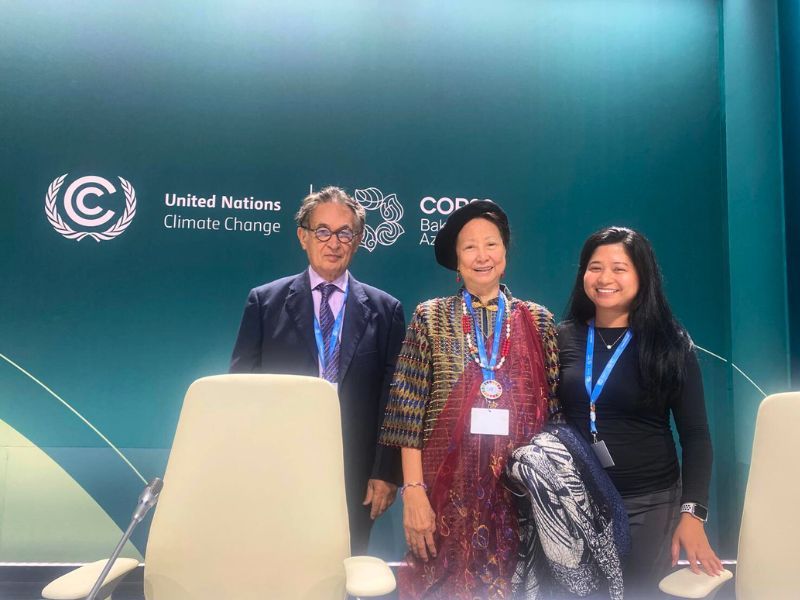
491	389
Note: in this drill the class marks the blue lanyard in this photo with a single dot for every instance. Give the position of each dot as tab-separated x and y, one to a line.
594	393
487	367
337	327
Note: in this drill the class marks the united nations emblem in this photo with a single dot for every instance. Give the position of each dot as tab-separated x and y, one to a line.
88	219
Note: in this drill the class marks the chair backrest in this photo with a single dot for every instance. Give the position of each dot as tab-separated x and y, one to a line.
253	504
770	534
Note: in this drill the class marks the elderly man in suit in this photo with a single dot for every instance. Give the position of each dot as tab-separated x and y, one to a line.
324	323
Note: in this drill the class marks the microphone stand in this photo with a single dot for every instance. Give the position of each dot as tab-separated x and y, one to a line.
147	500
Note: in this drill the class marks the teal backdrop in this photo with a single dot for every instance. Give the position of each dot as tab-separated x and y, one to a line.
790	116
660	115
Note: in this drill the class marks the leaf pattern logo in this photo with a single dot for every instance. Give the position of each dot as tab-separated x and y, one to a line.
389	230
62	227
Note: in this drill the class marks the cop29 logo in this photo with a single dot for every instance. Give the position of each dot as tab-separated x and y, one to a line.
86	220
391	211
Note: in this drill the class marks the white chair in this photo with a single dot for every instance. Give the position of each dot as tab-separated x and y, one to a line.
769	538
253	504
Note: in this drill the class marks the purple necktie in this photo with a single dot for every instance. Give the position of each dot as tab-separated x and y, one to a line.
326	326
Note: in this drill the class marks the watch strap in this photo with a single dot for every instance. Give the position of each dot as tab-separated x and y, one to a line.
696	510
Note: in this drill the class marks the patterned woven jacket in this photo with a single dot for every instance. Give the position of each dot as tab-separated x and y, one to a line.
434	356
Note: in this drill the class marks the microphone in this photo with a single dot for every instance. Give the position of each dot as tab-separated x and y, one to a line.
148	498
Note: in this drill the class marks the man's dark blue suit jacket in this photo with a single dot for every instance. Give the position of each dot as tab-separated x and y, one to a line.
277	336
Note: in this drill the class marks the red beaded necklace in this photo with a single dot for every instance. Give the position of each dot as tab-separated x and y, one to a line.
505	345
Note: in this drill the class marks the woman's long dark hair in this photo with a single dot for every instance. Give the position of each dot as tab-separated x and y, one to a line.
663	342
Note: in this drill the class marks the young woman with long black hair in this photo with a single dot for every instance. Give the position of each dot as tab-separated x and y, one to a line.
626	364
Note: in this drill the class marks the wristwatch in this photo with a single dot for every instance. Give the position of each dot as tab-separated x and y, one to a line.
696	510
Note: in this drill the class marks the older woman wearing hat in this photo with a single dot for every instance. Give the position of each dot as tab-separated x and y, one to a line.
476	378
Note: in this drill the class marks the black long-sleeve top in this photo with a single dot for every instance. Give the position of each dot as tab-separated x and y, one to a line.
638	435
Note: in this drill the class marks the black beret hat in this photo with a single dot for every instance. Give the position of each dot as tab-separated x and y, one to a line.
445	244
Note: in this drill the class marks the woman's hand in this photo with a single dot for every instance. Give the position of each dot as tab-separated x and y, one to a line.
419	522
690	535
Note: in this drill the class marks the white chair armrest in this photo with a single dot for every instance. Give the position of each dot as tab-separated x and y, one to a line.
78	583
685	584
368	576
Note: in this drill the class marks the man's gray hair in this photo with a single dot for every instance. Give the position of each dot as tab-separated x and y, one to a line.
330	194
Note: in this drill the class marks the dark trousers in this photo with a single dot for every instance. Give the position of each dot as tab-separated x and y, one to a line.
360	526
653	518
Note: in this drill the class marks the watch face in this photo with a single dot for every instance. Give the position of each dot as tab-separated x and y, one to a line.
700	511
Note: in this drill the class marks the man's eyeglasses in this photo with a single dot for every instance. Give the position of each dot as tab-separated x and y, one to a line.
323	234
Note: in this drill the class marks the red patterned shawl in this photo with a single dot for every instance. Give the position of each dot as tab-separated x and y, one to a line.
476	524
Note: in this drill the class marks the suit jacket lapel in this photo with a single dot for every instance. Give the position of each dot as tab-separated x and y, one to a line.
300	307
356	317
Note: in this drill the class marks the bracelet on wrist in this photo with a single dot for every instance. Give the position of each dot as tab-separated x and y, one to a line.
413	484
